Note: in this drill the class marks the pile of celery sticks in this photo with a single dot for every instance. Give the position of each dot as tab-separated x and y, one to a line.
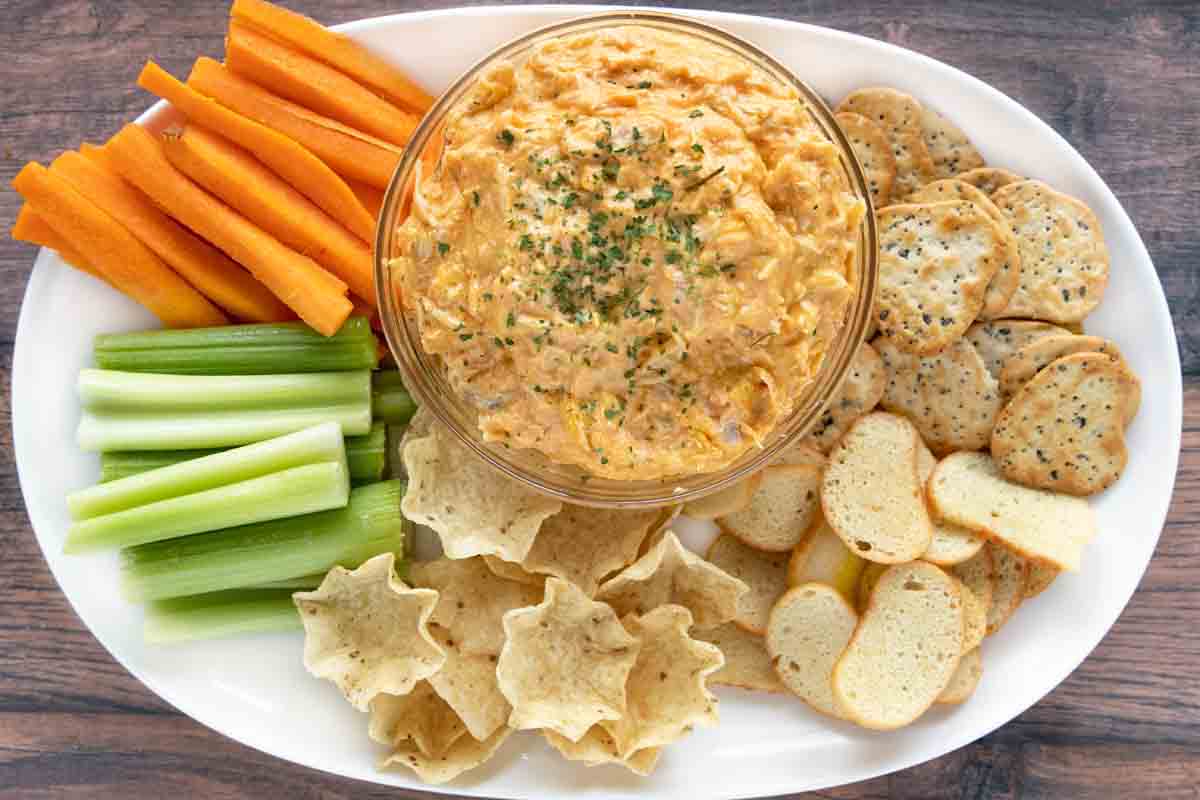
238	464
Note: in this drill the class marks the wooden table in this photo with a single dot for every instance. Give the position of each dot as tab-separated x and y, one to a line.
1120	80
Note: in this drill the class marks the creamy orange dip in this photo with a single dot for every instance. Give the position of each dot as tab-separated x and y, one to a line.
633	254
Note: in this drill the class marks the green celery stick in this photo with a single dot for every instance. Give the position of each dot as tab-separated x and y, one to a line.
315	445
210	616
142	392
240	349
300	584
367	455
390	401
288	493
252	555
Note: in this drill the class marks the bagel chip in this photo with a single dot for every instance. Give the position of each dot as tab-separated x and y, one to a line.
764	573
784	506
747	665
809	629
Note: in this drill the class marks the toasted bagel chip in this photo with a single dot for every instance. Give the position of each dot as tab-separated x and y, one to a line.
726	501
1064	259
809	629
803	453
949	148
935	264
965	679
967	488
472	601
905	649
951	397
765	574
873	149
1064	431
988	179
565	662
583	545
975	619
671	574
866	584
1012	576
784	506
368	633
598	747
747	665
859	393
999	340
468	685
951	544
899	115
1040	578
822	557
871	495
667	691
978	578
1036	356
475	509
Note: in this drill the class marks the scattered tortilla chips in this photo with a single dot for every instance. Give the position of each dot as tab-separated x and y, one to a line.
584	545
475	509
747	665
513	572
598	747
667	693
472	601
565	663
468	685
670	573
421	718
368	632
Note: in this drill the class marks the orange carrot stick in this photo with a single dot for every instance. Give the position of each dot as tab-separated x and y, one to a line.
236	177
350	152
369	196
217	276
314	85
31	227
335	50
115	252
293	162
315	295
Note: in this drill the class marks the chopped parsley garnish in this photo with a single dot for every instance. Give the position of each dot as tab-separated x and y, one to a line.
645	85
506	138
443	248
696	112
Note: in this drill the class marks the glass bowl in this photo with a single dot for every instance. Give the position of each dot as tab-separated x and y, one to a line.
423	373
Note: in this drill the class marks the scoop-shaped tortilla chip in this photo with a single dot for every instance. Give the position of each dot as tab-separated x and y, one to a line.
583	545
421	718
667	693
565	662
472	600
368	632
475	509
598	747
468	685
670	573
465	754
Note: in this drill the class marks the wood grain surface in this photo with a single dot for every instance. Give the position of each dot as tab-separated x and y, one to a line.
1120	80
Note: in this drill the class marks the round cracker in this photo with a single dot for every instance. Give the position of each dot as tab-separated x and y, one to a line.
873	150
1064	431
808	630
783	508
997	341
935	263
1064	259
1036	356
949	148
859	393
1008	274
765	574
899	115
951	397
989	179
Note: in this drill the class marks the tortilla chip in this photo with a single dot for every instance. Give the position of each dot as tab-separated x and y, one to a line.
667	692
465	754
468	685
747	665
475	509
368	632
670	573
598	747
584	545
565	662
421	718
513	572
472	601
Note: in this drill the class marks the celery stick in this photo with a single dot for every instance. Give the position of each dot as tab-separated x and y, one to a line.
269	551
288	493
390	401
141	392
208	616
300	584
367	455
315	445
240	349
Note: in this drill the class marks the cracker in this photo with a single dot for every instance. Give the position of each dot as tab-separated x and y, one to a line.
565	662
873	149
475	509
368	633
951	397
935	264
871	495
765	574
472	601
747	665
597	747
1040	578
667	689
997	341
859	393
822	557
951	544
905	650
949	148
584	545
468	685
1008	590
1050	528
671	574
784	506
809	629
979	582
975	618
726	501
899	115
965	679
1035	356
989	179
1004	282
866	584
1065	430
802	453
1064	259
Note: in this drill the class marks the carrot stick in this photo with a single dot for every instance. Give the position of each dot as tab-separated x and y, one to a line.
31	227
314	85
114	252
315	295
246	186
293	162
335	50
350	152
369	196
217	276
